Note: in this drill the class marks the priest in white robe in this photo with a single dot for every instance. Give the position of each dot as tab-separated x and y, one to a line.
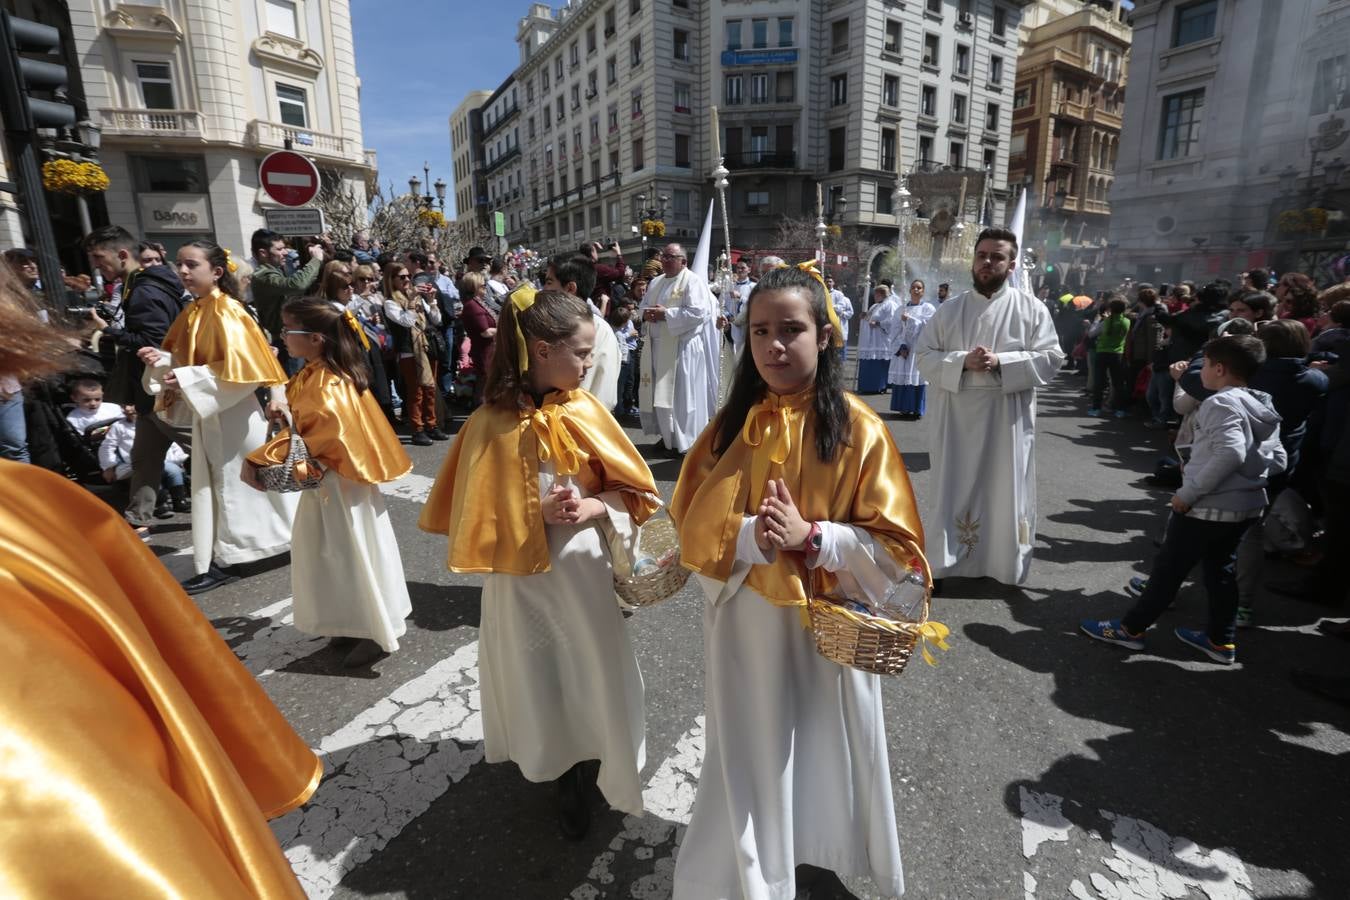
908	389
682	362
984	353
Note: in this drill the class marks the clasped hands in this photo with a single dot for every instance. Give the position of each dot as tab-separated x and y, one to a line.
562	506
778	524
981	359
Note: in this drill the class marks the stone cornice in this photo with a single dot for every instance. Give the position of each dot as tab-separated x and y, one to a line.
130	21
284	52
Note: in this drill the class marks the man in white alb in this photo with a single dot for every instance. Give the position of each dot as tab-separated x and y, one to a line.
733	302
681	365
984	353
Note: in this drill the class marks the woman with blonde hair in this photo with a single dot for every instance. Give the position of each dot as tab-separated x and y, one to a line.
480	325
409	315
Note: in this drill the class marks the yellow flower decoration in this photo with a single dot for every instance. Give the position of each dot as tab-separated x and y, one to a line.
66	176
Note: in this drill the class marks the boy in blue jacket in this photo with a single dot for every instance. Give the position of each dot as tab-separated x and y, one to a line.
1237	448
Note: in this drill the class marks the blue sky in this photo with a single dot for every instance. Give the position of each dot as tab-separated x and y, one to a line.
417	59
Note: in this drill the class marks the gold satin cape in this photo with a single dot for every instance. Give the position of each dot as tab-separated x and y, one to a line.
866	485
216	331
138	757
486	496
343	429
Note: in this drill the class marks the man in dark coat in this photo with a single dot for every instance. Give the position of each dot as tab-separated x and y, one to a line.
151	299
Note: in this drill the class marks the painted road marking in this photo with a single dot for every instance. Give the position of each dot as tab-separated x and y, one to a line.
1144	862
384	769
273	645
410	487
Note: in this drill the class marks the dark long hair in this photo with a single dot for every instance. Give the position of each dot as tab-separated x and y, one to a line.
554	316
342	350
216	258
830	406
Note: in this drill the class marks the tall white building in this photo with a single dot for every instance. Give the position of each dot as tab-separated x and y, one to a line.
466	147
615	100
1235	140
192	94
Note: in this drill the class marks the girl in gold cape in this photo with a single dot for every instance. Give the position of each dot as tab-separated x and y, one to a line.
213	360
520	495
795	486
346	572
139	756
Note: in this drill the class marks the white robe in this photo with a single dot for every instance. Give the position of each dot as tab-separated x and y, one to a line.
906	326
346	570
983	520
602	379
843	308
559	679
734	298
231	522
874	341
796	768
682	364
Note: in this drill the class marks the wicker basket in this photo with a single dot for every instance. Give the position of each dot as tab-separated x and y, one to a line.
865	642
281	477
659	545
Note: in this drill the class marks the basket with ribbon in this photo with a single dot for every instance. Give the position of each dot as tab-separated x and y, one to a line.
297	472
878	637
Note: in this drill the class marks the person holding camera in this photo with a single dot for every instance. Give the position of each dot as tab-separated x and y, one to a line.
606	276
152	297
272	287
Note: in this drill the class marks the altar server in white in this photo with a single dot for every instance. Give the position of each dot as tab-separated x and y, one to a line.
522	496
984	353
908	389
682	362
207	374
874	341
796	482
843	311
733	303
346	570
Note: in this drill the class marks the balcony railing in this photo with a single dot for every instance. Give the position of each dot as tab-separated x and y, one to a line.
761	159
507	115
262	133
502	160
160	123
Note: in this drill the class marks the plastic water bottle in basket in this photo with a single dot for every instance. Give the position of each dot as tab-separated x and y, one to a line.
878	636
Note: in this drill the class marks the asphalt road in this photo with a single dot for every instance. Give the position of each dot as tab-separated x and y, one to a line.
1030	762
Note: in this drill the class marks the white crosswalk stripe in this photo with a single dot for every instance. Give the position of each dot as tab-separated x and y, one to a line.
275	644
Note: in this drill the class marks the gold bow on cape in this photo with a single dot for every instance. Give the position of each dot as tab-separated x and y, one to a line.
555	441
767	429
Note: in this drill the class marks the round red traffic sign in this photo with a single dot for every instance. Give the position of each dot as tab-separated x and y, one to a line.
289	178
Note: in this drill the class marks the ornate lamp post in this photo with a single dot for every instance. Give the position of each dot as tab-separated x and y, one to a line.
651	214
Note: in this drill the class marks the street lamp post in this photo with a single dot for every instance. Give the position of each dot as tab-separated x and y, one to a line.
900	198
654	213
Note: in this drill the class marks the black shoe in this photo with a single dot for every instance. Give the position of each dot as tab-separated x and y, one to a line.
364	653
163	512
181	503
937	587
574	813
821	884
437	435
421	439
209	580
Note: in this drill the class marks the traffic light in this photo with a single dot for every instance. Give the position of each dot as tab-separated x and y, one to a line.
21	76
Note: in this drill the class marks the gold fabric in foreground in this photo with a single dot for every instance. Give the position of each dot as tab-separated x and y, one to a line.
138	757
486	496
343	429
216	331
866	485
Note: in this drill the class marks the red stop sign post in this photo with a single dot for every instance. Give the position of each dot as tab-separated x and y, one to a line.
289	178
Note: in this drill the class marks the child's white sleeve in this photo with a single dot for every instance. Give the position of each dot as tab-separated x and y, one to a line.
853	556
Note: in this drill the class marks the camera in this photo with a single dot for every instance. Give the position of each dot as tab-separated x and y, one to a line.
104	311
607	242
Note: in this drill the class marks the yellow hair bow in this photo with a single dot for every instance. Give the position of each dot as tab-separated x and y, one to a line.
522	298
356	327
837	338
555	441
229	260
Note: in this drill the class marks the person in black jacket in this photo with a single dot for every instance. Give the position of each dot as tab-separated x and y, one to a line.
1196	324
151	299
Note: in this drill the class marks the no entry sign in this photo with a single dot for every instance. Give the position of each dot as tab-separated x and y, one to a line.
289	178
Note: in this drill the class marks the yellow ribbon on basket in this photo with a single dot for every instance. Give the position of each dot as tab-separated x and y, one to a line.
930	632
767	429
522	298
555	441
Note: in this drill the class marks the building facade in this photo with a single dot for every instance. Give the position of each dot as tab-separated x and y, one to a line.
1234	140
466	148
193	94
616	96
1066	120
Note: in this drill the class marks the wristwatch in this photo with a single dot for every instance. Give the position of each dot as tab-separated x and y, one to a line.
814	538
